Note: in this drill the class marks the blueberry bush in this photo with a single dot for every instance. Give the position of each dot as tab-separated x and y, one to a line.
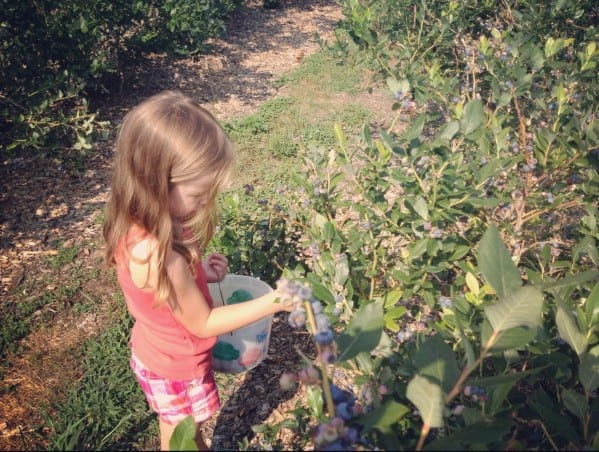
452	269
57	56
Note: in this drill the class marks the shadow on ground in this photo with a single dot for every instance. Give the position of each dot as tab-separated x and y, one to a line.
257	397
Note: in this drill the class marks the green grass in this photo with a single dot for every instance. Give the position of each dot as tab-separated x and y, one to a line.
105	409
323	69
30	312
269	141
66	255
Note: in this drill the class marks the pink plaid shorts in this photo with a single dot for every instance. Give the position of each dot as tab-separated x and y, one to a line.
174	400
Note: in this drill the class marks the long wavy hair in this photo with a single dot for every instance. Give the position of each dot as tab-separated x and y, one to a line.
167	139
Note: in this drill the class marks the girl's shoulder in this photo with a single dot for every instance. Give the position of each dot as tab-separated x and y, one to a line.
142	250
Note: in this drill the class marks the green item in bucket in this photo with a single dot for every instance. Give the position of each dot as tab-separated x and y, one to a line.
225	352
239	296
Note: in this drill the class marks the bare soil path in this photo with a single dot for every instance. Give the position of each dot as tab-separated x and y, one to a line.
44	205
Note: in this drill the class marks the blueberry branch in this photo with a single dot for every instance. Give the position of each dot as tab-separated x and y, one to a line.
325	378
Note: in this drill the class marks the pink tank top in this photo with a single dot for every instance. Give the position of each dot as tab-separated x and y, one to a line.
159	340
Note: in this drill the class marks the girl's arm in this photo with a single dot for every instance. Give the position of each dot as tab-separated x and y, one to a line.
203	321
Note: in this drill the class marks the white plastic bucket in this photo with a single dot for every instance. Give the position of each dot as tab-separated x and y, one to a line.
245	348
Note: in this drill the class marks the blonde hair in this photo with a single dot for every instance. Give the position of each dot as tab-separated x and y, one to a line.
167	139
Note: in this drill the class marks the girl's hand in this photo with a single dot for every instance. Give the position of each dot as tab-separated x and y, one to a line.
284	302
215	265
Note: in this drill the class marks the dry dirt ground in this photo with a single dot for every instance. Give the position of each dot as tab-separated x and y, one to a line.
44	205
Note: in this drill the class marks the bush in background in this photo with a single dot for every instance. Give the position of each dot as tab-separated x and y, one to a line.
56	55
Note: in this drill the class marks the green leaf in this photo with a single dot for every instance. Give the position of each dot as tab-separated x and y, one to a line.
320	292
415	129
384	151
521	308
553	46
392	297
472	117
328	231
486	431
392	315
504	99
363	361
460	251
575	403
472	284
401	86
436	361
383	417
486	172
511	339
183	437
418	248
592	306
496	265
499	386
421	208
341	269
315	401
363	333
367	135
568	330
548	411
339	177
428	398
588	370
572	280
469	350
82	24
448	131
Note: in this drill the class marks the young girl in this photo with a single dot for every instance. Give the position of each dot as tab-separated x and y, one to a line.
172	159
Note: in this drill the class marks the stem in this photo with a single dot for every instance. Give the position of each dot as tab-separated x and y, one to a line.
585	426
419	180
467	370
325	378
374	261
539	423
423	434
536	213
548	436
523	144
397	116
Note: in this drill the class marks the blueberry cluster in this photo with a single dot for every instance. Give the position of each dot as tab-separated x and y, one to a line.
341	404
456	409
405	99
445	302
475	393
528	167
345	402
300	297
337	434
334	435
371	396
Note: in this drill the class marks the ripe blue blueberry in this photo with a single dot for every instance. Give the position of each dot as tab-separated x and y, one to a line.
339	395
316	307
324	337
335	445
344	410
322	322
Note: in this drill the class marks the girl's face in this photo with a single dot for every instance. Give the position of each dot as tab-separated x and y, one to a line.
186	198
